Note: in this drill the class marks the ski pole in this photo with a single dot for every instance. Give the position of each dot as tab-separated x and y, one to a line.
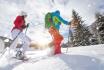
68	40
27	28
69	35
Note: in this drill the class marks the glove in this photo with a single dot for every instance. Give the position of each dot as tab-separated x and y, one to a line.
69	23
23	26
27	25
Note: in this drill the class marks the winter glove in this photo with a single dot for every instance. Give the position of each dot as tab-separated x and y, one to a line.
27	25
69	23
23	26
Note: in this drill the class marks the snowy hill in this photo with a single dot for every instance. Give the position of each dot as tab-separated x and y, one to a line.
77	58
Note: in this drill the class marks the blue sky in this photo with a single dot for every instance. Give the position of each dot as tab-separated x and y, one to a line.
37	9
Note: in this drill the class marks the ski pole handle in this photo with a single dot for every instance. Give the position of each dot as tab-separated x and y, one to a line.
27	27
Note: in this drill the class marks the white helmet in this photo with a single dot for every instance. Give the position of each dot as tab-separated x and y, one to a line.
23	13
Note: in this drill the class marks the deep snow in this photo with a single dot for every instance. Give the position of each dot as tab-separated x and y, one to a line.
77	58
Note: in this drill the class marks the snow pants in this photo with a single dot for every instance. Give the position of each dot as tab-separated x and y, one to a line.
57	38
22	38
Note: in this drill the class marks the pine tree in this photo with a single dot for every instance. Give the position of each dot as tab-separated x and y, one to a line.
100	27
81	34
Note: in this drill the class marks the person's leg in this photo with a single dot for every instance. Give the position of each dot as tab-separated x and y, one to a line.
57	38
15	32
57	48
25	45
25	42
13	45
57	42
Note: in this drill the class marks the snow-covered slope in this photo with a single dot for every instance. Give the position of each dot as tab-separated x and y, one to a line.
77	58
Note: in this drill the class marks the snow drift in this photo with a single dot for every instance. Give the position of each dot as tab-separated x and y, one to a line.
77	58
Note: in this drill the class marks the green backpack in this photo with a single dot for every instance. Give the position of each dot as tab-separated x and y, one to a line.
48	20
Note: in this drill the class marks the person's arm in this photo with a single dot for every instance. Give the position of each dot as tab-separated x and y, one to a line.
62	20
22	21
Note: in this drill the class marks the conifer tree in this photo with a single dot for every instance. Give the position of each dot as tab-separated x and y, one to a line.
100	27
81	34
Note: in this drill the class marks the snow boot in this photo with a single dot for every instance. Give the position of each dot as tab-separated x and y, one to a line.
20	55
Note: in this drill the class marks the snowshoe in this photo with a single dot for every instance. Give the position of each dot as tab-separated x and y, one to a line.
20	55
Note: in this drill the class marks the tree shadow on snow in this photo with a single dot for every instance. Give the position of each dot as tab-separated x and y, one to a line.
81	62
